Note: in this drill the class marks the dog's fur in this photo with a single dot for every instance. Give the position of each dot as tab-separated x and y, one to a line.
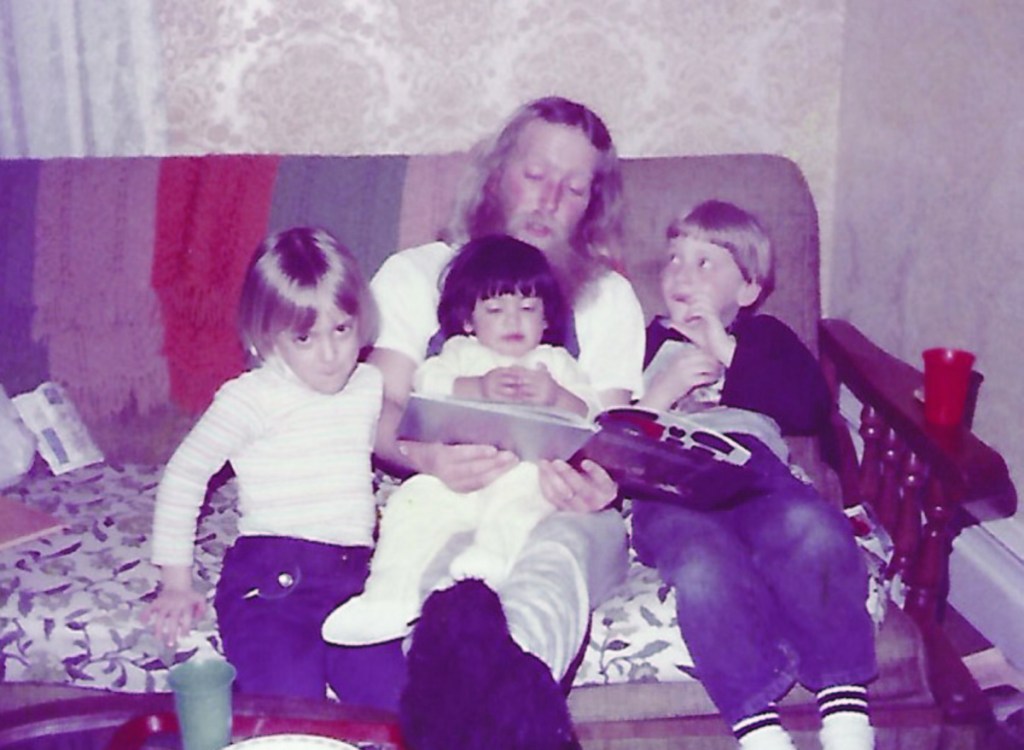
471	687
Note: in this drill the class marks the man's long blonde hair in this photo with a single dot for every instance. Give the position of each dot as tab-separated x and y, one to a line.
597	238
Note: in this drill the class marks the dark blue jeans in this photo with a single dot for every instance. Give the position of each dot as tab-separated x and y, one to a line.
770	591
273	596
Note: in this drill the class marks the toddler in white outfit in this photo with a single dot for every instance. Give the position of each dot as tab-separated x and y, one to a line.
504	322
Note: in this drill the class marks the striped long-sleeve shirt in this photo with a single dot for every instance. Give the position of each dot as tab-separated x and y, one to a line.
302	461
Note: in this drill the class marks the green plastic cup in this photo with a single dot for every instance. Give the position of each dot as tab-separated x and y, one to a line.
202	699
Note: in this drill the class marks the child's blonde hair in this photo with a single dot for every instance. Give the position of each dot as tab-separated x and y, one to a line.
294	276
738	231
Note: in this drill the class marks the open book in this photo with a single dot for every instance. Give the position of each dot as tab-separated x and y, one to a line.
652	455
532	433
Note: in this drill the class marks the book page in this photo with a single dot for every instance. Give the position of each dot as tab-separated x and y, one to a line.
705	431
532	433
671	458
665	355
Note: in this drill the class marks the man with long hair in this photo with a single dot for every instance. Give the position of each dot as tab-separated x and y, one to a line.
484	665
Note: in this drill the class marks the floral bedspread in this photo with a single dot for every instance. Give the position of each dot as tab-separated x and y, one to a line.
70	601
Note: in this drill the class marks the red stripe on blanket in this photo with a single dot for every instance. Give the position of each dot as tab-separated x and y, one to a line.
212	213
99	318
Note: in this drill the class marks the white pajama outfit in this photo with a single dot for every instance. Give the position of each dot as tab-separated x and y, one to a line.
424	517
570	560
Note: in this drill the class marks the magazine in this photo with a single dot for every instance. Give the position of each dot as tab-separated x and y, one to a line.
670	457
652	455
63	440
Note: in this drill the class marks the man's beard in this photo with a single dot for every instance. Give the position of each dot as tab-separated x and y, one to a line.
574	269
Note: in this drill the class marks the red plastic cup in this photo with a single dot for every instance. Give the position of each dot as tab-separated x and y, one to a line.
947	376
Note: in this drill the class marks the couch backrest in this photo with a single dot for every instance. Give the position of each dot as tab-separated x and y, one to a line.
120	275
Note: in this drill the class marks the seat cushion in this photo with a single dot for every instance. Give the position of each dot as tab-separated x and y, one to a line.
902	679
634	635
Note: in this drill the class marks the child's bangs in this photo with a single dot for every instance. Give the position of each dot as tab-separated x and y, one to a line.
502	287
291	318
737	241
721	237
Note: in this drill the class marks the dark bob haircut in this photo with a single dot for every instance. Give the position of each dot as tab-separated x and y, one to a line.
497	265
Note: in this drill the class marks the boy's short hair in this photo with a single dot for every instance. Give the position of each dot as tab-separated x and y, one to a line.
738	231
293	276
493	266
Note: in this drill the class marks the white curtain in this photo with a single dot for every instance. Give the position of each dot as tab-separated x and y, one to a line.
80	78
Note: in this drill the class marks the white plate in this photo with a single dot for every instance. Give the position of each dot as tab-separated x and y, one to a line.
291	742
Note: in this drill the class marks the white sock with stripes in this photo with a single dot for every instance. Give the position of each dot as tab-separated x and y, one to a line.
845	722
763	731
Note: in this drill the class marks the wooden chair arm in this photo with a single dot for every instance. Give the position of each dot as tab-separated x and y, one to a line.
920	479
924	483
974	471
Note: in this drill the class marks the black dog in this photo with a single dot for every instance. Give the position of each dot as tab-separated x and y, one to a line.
471	687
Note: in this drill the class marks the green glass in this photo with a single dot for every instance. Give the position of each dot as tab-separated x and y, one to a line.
202	699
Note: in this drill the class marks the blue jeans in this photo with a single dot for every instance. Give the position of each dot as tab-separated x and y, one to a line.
272	598
769	592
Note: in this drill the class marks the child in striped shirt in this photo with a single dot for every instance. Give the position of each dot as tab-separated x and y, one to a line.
298	430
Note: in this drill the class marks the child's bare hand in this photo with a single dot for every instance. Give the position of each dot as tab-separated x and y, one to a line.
523	385
538	387
520	384
691	367
705	329
502	384
174	613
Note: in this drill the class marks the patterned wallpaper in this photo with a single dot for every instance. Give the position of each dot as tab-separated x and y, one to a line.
426	75
411	76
